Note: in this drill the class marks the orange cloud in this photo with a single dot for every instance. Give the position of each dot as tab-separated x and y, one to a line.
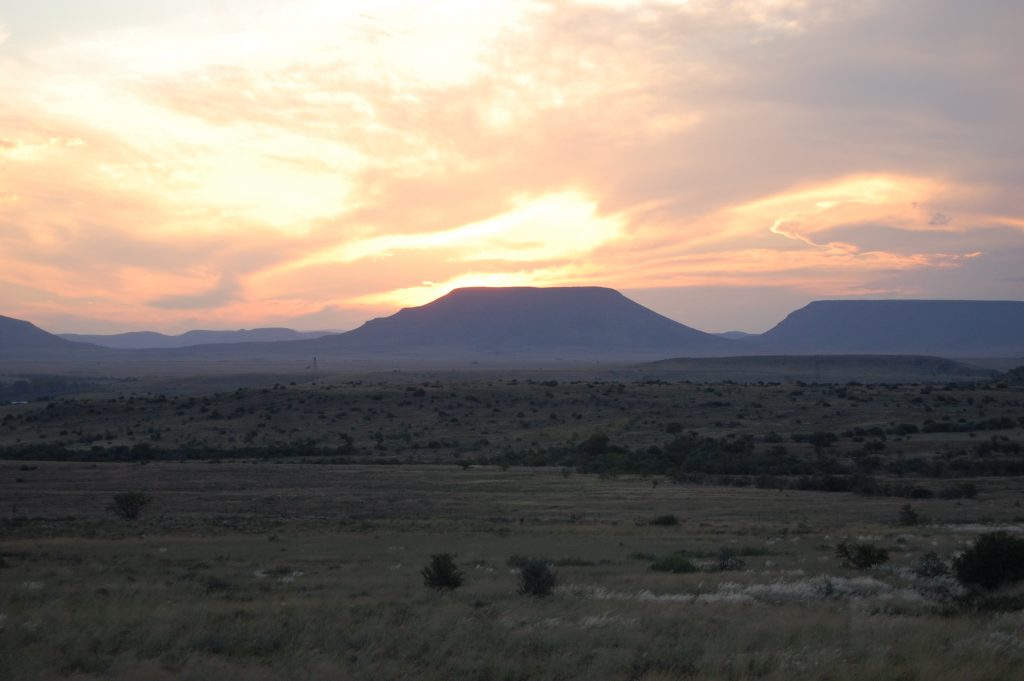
310	155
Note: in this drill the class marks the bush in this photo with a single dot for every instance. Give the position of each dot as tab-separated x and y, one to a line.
676	563
995	559
442	573
536	578
129	505
666	520
861	556
931	566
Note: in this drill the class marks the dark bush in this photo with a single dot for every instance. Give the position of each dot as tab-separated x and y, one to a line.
995	559
861	556
676	563
536	578
129	505
931	566
442	573
666	520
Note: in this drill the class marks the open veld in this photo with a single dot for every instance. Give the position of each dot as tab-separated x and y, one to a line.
693	529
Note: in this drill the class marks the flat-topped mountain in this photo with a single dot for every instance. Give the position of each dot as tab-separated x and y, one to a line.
590	321
934	327
149	340
23	340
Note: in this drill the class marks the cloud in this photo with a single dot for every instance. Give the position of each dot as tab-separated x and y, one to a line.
225	291
278	159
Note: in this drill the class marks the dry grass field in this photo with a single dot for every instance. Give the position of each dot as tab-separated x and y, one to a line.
308	566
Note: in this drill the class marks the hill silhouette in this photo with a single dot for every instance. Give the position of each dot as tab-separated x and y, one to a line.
148	340
592	321
932	327
519	324
23	340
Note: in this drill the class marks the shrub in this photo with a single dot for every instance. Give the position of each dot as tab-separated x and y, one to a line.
931	566
129	505
995	559
666	520
536	578
442	573
676	563
861	556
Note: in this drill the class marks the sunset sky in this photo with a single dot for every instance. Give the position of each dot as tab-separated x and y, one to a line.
309	163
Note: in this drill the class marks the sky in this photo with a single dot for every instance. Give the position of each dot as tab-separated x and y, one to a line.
169	165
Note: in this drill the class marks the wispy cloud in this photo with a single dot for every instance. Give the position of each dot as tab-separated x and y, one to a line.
279	159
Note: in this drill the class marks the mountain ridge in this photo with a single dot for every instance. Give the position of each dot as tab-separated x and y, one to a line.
522	324
526	321
900	326
152	340
23	339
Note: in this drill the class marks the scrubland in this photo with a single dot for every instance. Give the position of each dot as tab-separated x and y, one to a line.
306	564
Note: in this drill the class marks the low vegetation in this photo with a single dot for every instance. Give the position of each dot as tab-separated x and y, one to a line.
687	530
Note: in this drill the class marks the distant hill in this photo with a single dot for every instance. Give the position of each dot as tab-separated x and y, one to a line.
150	340
923	327
534	322
23	340
735	335
563	324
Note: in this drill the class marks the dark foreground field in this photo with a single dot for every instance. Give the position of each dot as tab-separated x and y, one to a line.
306	565
255	571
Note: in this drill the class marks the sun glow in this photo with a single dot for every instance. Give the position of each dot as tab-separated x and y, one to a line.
563	225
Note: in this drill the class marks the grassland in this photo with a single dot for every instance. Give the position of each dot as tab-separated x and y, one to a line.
306	563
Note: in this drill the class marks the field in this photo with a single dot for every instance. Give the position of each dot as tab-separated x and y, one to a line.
296	552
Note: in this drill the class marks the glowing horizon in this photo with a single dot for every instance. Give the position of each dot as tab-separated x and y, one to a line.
311	164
